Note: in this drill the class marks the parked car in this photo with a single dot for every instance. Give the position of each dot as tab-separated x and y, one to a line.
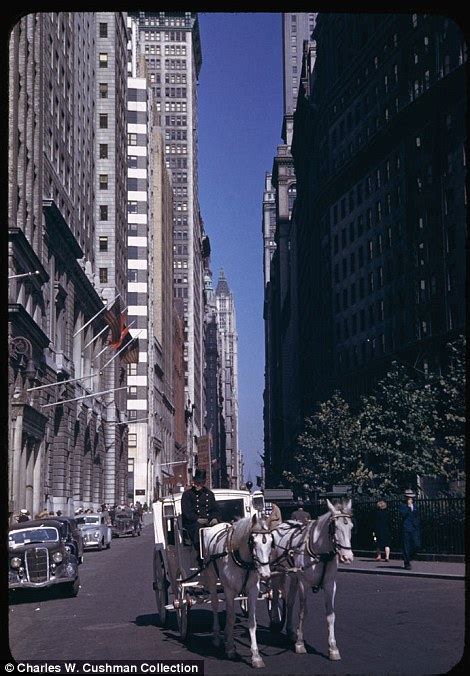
73	535
96	530
126	522
38	557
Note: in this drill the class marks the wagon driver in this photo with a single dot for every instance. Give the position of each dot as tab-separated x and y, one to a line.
198	507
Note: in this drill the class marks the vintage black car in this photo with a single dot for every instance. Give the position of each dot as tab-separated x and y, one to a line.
72	536
126	522
38	558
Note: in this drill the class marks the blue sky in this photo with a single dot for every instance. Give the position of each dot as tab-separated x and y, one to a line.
240	120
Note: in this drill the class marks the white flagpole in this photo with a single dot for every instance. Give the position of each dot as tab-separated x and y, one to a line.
96	337
122	348
95	316
61	382
85	396
129	422
106	346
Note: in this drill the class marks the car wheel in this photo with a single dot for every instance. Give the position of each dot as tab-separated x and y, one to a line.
100	545
80	560
73	587
108	546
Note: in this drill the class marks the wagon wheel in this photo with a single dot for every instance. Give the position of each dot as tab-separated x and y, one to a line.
161	590
277	614
182	612
244	607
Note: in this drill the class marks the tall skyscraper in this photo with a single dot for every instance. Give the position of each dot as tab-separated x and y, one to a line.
281	406
296	27
170	43
228	351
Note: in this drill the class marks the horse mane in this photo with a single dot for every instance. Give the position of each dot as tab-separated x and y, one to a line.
241	532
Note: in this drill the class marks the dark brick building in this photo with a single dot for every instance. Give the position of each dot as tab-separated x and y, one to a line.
380	214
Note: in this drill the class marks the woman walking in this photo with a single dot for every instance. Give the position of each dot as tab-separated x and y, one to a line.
382	530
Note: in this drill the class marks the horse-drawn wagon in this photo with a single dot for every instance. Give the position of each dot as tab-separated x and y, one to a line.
179	583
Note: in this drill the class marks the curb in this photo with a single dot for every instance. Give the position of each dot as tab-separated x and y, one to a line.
404	573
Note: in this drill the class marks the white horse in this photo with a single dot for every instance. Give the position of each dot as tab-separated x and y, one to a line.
239	556
308	554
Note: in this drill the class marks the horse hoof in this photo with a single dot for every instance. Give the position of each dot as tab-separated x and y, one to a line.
231	655
334	655
300	648
257	663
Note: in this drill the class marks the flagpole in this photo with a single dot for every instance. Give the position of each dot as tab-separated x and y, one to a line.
95	316
106	346
129	422
61	382
96	337
122	348
85	396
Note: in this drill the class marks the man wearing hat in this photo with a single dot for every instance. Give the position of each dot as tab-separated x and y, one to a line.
198	507
410	527
24	515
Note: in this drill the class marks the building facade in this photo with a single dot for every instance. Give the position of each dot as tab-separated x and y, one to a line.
386	194
59	420
228	351
282	418
170	43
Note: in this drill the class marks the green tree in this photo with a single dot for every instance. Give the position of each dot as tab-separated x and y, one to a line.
449	392
329	449
398	430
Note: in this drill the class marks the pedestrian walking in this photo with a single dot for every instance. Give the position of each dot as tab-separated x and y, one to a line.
382	530
300	514
411	528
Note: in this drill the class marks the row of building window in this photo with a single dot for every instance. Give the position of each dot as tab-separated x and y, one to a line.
168	36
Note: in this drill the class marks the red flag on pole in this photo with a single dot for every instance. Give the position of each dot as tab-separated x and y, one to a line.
131	354
114	319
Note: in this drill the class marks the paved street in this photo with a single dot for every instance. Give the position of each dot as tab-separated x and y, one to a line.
384	623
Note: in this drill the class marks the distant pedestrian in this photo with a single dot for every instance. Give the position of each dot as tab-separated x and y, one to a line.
273	513
300	514
145	507
411	528
382	530
24	515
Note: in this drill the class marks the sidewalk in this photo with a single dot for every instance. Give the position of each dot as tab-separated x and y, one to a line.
448	570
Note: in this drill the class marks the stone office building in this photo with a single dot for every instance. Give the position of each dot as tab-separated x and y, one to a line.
58	455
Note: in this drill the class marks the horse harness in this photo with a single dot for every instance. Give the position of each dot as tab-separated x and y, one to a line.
317	557
235	554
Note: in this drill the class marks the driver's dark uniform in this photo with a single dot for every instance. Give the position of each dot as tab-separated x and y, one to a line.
197	505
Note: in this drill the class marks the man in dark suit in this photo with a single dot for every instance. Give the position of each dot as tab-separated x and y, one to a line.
300	514
410	527
198	507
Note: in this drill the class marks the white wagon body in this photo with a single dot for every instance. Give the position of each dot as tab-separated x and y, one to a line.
174	557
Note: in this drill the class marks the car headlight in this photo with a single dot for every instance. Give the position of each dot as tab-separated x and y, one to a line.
57	557
97	533
15	562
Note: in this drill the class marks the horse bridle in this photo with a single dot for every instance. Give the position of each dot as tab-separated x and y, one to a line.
332	530
251	544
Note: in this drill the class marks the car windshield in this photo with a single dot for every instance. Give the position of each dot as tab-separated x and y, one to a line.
83	520
28	535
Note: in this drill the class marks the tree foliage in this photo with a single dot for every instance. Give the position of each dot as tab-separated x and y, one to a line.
413	424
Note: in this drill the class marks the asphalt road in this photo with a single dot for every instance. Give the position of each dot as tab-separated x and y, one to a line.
384	624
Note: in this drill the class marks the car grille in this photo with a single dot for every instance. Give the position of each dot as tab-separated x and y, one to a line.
37	564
